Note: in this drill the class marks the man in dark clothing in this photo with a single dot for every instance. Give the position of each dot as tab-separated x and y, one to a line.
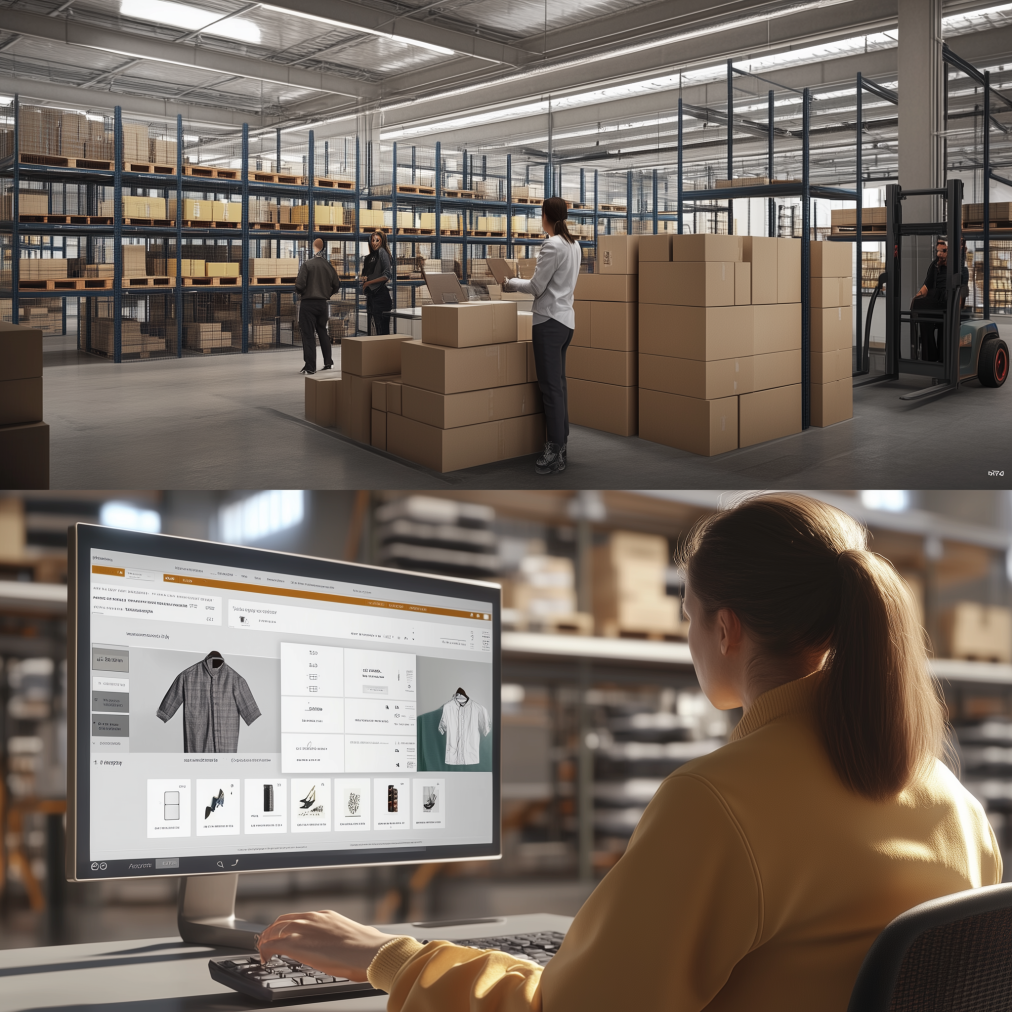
316	283
931	298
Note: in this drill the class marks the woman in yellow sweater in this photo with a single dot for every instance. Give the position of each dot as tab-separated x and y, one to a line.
760	874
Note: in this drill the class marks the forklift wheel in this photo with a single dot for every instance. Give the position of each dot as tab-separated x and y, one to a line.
992	370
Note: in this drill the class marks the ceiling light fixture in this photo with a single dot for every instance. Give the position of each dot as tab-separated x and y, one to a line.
192	19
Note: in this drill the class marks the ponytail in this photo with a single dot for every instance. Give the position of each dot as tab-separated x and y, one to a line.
555	210
798	575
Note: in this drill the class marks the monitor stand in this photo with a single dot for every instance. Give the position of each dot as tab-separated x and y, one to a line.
207	913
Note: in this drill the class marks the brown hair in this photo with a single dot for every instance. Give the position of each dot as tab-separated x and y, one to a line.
555	210
799	576
383	241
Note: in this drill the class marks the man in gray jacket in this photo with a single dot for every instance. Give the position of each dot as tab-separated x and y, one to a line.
316	283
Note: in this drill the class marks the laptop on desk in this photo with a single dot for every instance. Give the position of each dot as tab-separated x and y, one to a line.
444	289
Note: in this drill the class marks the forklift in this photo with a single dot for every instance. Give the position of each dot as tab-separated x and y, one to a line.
969	348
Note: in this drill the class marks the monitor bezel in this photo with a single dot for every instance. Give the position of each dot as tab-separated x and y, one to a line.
82	538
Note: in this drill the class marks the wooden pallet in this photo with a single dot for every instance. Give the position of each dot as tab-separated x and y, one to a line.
100	219
66	285
527	200
490	235
580	207
149	167
150	282
461	194
44	219
333	228
288	226
851	230
211	224
612	207
66	162
269	177
383	189
210	172
288	279
411	230
150	222
334	184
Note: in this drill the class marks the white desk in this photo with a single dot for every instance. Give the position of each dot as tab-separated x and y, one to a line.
167	975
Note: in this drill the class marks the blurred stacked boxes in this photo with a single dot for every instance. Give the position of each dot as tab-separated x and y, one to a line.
601	366
205	336
44	317
369	218
29	202
872	265
135	142
161	151
542	593
39	269
139	207
132	341
323	214
273	266
24	436
832	355
977	632
447	222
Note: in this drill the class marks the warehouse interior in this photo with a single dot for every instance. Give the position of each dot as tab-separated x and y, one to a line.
599	696
165	167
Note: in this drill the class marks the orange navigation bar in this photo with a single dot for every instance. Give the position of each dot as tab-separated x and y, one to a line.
108	571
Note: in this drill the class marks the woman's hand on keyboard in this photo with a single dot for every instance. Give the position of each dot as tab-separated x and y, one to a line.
324	940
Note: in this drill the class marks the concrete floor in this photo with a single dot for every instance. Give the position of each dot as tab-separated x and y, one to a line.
236	421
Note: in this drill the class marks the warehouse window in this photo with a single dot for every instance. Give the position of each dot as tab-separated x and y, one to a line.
260	515
892	500
129	517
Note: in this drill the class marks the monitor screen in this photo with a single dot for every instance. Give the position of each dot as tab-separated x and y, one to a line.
234	709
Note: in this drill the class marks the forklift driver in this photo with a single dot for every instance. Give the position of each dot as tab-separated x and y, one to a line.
932	297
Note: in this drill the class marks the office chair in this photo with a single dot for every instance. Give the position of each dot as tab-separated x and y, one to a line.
951	954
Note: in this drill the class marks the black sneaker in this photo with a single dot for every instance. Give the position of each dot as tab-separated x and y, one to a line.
308	372
552	460
326	367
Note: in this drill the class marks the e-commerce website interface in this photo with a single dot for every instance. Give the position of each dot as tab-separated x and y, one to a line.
239	712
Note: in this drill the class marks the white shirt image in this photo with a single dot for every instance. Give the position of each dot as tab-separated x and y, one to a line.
554	281
463	725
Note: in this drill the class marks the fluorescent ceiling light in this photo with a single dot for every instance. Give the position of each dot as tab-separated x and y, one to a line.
192	19
129	517
894	500
358	28
260	515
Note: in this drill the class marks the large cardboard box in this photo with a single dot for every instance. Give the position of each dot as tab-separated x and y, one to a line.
702	333
777	328
689	423
379	395
788	270
394	390
761	253
727	248
832	402
832	329
525	325
24	455
654	247
467	445
618	254
220	270
321	398
354	405
978	632
603	406
723	377
688	283
378	434
606	287
581	329
21	401
450	411
830	293
600	365
455	370
613	325
375	355
743	284
769	414
830	366
776	369
469	324
20	351
831	259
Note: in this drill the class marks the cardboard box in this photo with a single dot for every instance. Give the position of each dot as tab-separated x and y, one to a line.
581	330
761	253
20	351
394	396
613	325
777	328
354	406
21	401
618	254
378	434
525	325
776	369
24	455
469	324
603	406
689	423
743	284
467	445
219	270
829	293
702	333
723	377
450	411
830	366
455	370
602	366
606	287
832	329
375	355
687	283
769	414
975	631
379	395
832	402
831	259
321	392
713	248
654	247
788	270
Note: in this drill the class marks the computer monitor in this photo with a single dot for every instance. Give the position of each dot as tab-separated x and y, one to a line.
236	710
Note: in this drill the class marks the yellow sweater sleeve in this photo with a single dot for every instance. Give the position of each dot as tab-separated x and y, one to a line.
663	929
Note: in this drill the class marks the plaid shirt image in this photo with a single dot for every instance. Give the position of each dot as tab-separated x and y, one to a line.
212	699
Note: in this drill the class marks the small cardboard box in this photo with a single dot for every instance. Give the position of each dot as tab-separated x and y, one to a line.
723	377
20	401
606	287
379	395
832	402
689	423
769	414
700	333
743	284
827	293
776	369
354	406
599	365
655	247
613	325
20	351
375	355
830	366
603	406
581	330
394	394
788	270
24	455
322	397
727	248
777	328
455	370
688	283
761	253
618	254
469	324
831	259
450	411
977	632
220	270
378	435
832	329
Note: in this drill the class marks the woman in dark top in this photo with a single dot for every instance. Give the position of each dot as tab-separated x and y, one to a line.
377	273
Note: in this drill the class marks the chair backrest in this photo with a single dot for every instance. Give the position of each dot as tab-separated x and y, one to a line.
952	954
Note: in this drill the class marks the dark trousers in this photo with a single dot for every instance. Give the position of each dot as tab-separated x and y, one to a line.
929	330
377	305
551	339
312	322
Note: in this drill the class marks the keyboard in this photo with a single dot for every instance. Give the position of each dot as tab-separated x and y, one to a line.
283	979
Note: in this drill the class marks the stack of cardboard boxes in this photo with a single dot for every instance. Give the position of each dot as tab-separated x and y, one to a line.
601	366
135	142
132	340
832	355
24	436
977	632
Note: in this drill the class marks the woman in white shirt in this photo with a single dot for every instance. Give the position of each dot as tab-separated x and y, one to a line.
552	286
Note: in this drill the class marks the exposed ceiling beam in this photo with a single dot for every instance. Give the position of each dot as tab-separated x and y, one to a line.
77	33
